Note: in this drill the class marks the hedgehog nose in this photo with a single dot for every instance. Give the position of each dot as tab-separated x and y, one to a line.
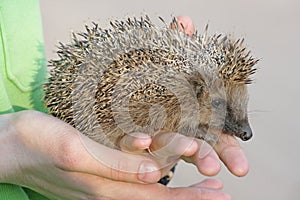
246	133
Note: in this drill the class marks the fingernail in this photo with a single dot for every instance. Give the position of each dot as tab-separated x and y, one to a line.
146	172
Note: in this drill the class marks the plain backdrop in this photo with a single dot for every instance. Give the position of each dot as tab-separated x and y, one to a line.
271	29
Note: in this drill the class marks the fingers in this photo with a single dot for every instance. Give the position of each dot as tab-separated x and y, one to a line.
230	152
160	192
135	143
90	157
227	149
167	148
185	24
70	150
192	193
172	145
209	184
85	186
206	159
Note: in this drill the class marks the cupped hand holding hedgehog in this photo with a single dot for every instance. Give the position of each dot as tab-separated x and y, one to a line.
49	156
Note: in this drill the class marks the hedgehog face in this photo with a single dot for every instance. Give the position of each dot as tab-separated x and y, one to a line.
236	121
223	97
223	109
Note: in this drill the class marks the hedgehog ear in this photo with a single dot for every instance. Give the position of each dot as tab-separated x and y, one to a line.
199	89
198	83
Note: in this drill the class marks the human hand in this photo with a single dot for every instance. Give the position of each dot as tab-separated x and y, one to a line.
168	148
47	155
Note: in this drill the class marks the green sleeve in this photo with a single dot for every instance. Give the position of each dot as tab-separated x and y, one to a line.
22	57
22	70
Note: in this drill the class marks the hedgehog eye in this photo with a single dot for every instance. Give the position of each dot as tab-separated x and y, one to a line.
218	103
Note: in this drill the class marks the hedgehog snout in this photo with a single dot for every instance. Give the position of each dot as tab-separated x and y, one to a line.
246	133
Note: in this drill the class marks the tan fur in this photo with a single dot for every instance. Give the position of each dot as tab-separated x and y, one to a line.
141	78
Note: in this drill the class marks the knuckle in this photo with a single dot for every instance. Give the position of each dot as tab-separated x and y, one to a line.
115	171
68	151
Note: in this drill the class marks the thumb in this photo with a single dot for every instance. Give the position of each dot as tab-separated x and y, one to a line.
91	157
72	151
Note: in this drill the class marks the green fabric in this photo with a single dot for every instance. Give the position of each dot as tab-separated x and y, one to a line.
12	192
22	70
22	55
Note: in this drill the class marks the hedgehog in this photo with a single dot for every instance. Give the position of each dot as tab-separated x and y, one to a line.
136	76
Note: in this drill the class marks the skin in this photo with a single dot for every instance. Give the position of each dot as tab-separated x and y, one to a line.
49	156
45	154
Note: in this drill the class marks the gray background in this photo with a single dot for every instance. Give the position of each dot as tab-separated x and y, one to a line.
272	30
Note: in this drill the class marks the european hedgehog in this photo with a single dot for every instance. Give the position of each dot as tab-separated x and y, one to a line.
138	77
